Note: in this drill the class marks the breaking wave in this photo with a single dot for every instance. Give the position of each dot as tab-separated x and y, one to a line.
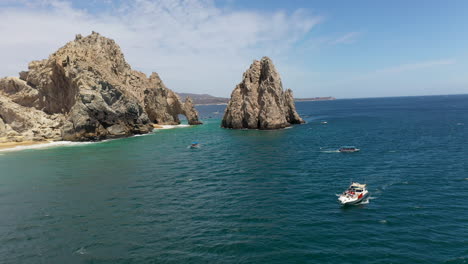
47	145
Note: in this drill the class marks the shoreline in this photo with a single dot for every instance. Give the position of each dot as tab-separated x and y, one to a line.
5	146
24	145
27	145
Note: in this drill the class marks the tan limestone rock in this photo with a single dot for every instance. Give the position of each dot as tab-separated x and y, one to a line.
90	87
259	102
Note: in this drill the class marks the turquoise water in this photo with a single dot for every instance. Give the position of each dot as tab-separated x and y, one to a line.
250	196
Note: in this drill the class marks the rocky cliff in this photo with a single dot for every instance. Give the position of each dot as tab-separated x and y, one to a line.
259	102
86	91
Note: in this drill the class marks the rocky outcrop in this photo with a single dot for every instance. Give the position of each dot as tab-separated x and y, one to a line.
87	91
290	108
161	98
20	123
259	102
190	113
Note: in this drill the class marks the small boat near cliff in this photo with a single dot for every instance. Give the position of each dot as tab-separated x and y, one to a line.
348	149
355	194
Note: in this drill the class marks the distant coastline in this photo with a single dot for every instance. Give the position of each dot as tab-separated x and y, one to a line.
206	99
327	98
213	104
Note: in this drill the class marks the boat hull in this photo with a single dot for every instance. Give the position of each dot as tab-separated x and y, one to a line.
348	151
356	201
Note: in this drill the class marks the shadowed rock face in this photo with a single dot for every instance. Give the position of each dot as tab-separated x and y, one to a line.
259	102
91	91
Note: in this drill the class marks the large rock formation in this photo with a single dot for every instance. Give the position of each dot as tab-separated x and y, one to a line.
86	91
259	102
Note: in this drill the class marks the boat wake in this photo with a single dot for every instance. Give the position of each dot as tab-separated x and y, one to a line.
368	199
330	151
365	201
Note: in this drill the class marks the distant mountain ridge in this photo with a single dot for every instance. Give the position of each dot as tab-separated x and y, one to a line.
206	99
327	98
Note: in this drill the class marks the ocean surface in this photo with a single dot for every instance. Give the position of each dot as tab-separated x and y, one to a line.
250	196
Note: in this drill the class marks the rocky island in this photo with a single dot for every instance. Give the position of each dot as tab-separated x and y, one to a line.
259	102
86	91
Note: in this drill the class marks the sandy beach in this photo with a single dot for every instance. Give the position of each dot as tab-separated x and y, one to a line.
12	145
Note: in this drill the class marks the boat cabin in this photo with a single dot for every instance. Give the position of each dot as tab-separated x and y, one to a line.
356	188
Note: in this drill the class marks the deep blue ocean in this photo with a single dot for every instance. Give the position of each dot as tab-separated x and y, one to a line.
250	196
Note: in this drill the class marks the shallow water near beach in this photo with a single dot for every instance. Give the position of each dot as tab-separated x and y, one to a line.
250	196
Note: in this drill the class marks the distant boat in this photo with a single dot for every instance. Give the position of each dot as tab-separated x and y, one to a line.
355	194
347	149
324	122
194	145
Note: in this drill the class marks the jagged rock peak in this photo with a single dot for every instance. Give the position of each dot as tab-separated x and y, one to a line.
259	102
86	91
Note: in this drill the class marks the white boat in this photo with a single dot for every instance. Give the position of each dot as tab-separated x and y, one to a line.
355	194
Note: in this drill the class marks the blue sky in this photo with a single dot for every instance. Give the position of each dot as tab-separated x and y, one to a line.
346	49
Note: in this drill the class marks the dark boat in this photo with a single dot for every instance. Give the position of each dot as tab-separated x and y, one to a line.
347	149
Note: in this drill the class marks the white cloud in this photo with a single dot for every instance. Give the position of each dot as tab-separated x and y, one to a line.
194	45
349	37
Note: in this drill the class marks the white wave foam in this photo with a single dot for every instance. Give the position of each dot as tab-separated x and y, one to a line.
46	145
366	201
81	251
142	135
71	143
172	126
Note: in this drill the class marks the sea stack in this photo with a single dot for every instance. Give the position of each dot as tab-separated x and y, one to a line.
259	102
86	91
